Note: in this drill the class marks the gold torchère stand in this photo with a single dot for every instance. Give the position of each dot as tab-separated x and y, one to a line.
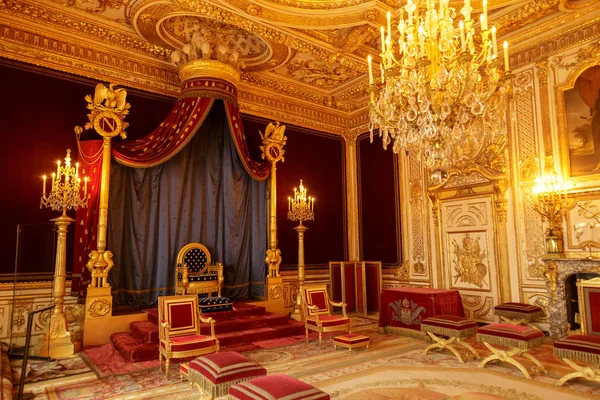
58	342
300	207
272	150
108	109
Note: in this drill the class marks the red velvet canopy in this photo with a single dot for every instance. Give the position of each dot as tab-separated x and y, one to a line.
171	136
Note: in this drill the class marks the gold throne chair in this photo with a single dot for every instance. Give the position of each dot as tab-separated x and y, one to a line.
195	273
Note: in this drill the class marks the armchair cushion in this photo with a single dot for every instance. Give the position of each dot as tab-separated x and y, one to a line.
190	342
196	260
328	321
226	366
212	304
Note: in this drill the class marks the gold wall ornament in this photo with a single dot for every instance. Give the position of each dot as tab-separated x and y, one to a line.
469	261
424	98
300	208
65	194
551	274
99	308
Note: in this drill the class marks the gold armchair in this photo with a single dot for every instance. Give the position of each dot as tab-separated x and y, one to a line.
195	274
179	329
318	312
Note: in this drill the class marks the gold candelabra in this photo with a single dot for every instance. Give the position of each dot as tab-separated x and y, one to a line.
300	208
439	94
65	194
553	202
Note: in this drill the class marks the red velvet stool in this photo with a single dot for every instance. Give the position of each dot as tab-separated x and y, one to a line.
584	348
518	313
215	373
274	387
183	371
351	341
520	339
455	328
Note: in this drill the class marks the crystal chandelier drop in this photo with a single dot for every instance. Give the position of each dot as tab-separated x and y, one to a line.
443	92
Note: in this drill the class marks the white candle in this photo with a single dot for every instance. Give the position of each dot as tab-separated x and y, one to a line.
289	204
53	176
44	189
76	169
494	43
467	12
422	40
370	70
483	21
58	168
382	73
85	185
461	26
409	9
485	17
506	66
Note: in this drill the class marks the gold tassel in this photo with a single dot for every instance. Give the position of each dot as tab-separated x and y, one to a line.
393	330
449	332
518	315
582	356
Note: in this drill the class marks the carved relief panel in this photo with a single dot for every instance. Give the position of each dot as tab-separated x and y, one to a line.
469	256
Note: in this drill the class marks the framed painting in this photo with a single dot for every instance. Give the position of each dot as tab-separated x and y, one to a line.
579	133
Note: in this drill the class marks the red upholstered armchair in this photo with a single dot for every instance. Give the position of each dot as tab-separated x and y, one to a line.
588	292
179	329
318	312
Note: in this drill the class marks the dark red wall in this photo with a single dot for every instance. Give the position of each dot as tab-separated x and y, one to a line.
318	159
38	113
379	203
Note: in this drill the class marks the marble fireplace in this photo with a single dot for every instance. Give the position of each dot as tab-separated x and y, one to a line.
557	272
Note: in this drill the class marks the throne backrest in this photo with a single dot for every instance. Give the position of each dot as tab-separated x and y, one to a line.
196	256
181	312
589	305
316	295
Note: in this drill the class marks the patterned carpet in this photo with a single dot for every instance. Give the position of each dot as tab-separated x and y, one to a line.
392	368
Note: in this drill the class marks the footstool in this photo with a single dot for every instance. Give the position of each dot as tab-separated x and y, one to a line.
455	328
183	371
520	339
584	348
518	313
215	373
351	341
275	387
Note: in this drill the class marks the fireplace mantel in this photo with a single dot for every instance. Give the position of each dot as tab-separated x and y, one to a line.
556	273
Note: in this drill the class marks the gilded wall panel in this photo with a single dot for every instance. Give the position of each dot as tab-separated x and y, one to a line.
468	253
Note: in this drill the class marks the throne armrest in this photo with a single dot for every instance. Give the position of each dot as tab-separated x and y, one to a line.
166	327
339	304
316	312
183	278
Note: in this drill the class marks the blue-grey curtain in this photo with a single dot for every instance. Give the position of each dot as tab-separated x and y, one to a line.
203	194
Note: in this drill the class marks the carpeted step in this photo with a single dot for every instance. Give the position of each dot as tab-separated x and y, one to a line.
133	349
247	322
145	331
253	335
241	310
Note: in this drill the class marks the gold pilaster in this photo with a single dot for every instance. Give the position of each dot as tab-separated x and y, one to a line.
500	187
272	150
108	110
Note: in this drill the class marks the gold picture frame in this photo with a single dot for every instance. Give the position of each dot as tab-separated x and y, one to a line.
579	155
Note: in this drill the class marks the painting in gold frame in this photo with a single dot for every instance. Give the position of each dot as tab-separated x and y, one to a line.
579	100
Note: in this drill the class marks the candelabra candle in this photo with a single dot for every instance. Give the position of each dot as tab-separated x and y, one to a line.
65	189
301	206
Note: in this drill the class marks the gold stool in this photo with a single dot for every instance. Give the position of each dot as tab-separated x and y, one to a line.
455	328
584	348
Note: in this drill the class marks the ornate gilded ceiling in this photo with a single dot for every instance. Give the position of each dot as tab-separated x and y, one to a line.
302	61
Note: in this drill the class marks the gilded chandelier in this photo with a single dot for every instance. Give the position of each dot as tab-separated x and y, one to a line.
442	90
301	206
65	190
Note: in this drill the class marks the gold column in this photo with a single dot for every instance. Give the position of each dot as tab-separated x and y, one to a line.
108	110
500	187
300	208
272	150
57	342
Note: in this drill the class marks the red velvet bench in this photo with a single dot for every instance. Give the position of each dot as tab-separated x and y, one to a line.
351	341
518	313
584	348
455	328
215	373
520	339
275	387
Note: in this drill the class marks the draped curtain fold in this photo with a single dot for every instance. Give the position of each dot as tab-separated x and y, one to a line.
186	187
202	194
